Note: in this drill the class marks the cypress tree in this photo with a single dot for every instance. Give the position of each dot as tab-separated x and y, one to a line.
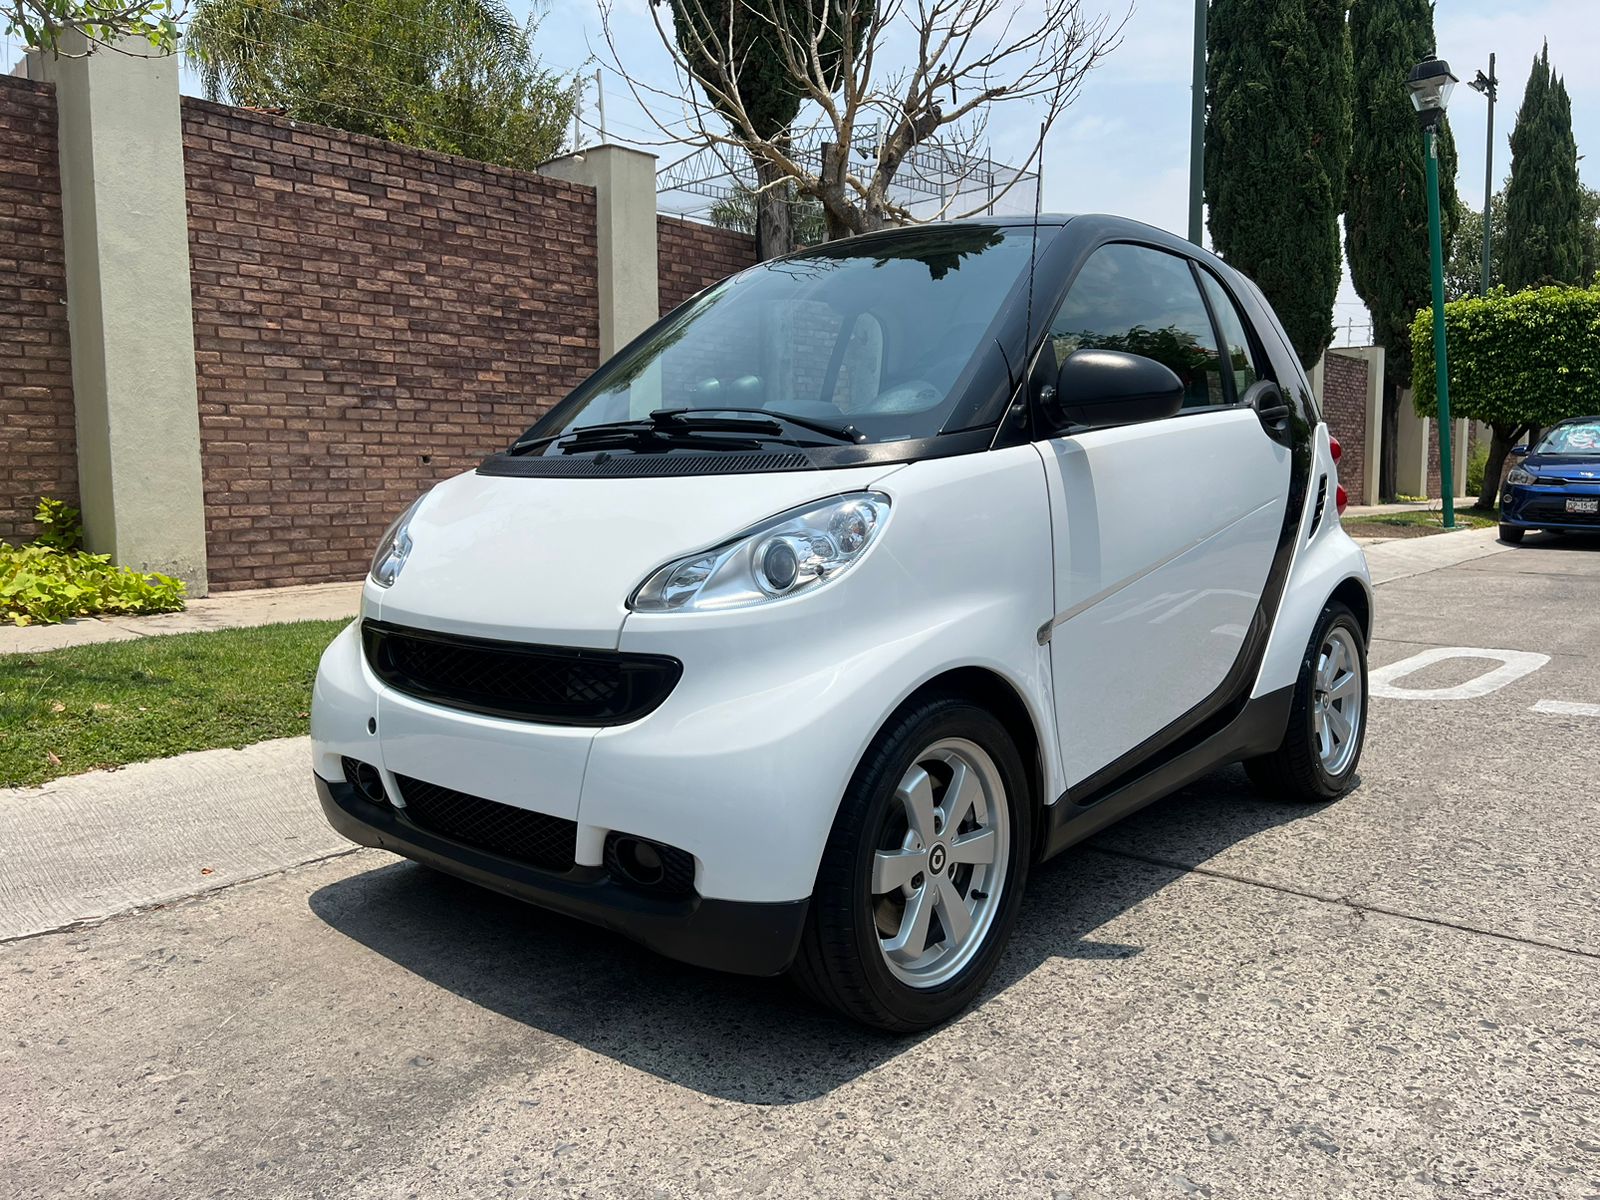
1330	90
1386	201
1544	209
1277	132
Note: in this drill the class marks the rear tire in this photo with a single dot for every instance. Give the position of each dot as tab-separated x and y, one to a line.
923	872
1512	534
1321	748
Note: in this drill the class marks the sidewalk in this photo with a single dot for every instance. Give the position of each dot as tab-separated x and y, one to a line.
1401	558
225	610
1356	511
90	846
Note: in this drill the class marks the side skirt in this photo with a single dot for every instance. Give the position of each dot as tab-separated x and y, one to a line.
1257	729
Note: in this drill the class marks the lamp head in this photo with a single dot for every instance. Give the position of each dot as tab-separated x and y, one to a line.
1430	84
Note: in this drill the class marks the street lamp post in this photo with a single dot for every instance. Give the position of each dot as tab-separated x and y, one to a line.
1197	126
1430	84
1489	85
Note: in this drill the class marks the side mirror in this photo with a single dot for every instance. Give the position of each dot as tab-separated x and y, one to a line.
1109	387
1520	451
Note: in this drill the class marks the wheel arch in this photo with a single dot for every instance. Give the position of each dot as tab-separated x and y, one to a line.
1353	593
998	695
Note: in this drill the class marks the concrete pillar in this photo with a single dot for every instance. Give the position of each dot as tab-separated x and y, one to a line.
1411	450
1373	458
128	304
624	181
1461	452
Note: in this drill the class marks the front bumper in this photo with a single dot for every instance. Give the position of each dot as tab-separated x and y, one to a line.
744	937
1543	506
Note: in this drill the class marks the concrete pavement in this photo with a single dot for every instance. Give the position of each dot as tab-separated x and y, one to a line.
1393	996
88	846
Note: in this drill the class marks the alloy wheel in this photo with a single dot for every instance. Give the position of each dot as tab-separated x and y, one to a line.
940	865
1336	705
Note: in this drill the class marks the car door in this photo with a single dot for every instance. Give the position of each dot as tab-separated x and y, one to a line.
1164	532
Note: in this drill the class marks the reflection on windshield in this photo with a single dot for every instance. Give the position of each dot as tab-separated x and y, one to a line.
872	332
1580	438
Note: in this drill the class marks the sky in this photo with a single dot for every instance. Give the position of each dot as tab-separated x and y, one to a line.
1123	147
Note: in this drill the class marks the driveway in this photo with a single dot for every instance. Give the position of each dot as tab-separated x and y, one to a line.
1394	996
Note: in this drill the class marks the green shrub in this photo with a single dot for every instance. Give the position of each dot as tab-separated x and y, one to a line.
1517	361
51	580
1515	358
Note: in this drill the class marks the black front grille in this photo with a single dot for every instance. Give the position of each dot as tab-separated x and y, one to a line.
537	839
1555	510
557	685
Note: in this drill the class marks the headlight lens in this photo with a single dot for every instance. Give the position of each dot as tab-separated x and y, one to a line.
794	552
1521	475
394	548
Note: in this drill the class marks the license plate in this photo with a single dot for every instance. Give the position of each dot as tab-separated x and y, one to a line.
1583	506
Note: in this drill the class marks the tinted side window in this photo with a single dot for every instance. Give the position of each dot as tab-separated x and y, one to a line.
1236	341
1143	301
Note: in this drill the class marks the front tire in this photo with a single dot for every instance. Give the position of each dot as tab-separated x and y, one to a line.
1316	761
923	872
1512	534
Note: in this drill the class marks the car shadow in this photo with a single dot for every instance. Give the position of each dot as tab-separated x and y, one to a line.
756	1041
1569	539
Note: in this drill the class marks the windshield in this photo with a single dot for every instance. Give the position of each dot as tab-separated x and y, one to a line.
1581	437
870	335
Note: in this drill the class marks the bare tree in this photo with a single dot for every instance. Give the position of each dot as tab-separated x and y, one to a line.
882	83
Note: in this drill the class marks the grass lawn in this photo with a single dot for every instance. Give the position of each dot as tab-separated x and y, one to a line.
1417	522
66	711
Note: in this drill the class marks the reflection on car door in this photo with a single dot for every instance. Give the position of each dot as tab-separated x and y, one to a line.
1164	532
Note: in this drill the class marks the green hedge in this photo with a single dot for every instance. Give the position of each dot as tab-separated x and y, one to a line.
1514	359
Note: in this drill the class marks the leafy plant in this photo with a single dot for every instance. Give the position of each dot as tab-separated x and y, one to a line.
1517	362
60	525
52	580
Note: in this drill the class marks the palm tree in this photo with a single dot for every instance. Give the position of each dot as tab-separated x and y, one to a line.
458	76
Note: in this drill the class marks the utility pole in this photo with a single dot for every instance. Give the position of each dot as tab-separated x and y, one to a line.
600	100
1197	126
1490	87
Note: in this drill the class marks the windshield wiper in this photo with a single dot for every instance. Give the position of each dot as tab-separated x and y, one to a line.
675	425
839	433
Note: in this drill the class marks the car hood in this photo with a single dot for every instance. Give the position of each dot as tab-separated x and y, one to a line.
1566	466
554	561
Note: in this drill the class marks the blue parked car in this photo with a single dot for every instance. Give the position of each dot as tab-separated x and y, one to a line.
1558	485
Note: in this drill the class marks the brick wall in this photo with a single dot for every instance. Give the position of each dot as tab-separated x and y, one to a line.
36	415
369	319
1344	408
693	256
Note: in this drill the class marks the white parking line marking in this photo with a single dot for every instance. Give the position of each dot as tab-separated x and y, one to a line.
1514	665
1567	708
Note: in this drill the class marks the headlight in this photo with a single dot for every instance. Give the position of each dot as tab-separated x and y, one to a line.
797	551
394	548
1520	475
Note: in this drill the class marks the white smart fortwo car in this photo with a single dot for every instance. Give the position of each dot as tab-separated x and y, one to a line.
856	586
